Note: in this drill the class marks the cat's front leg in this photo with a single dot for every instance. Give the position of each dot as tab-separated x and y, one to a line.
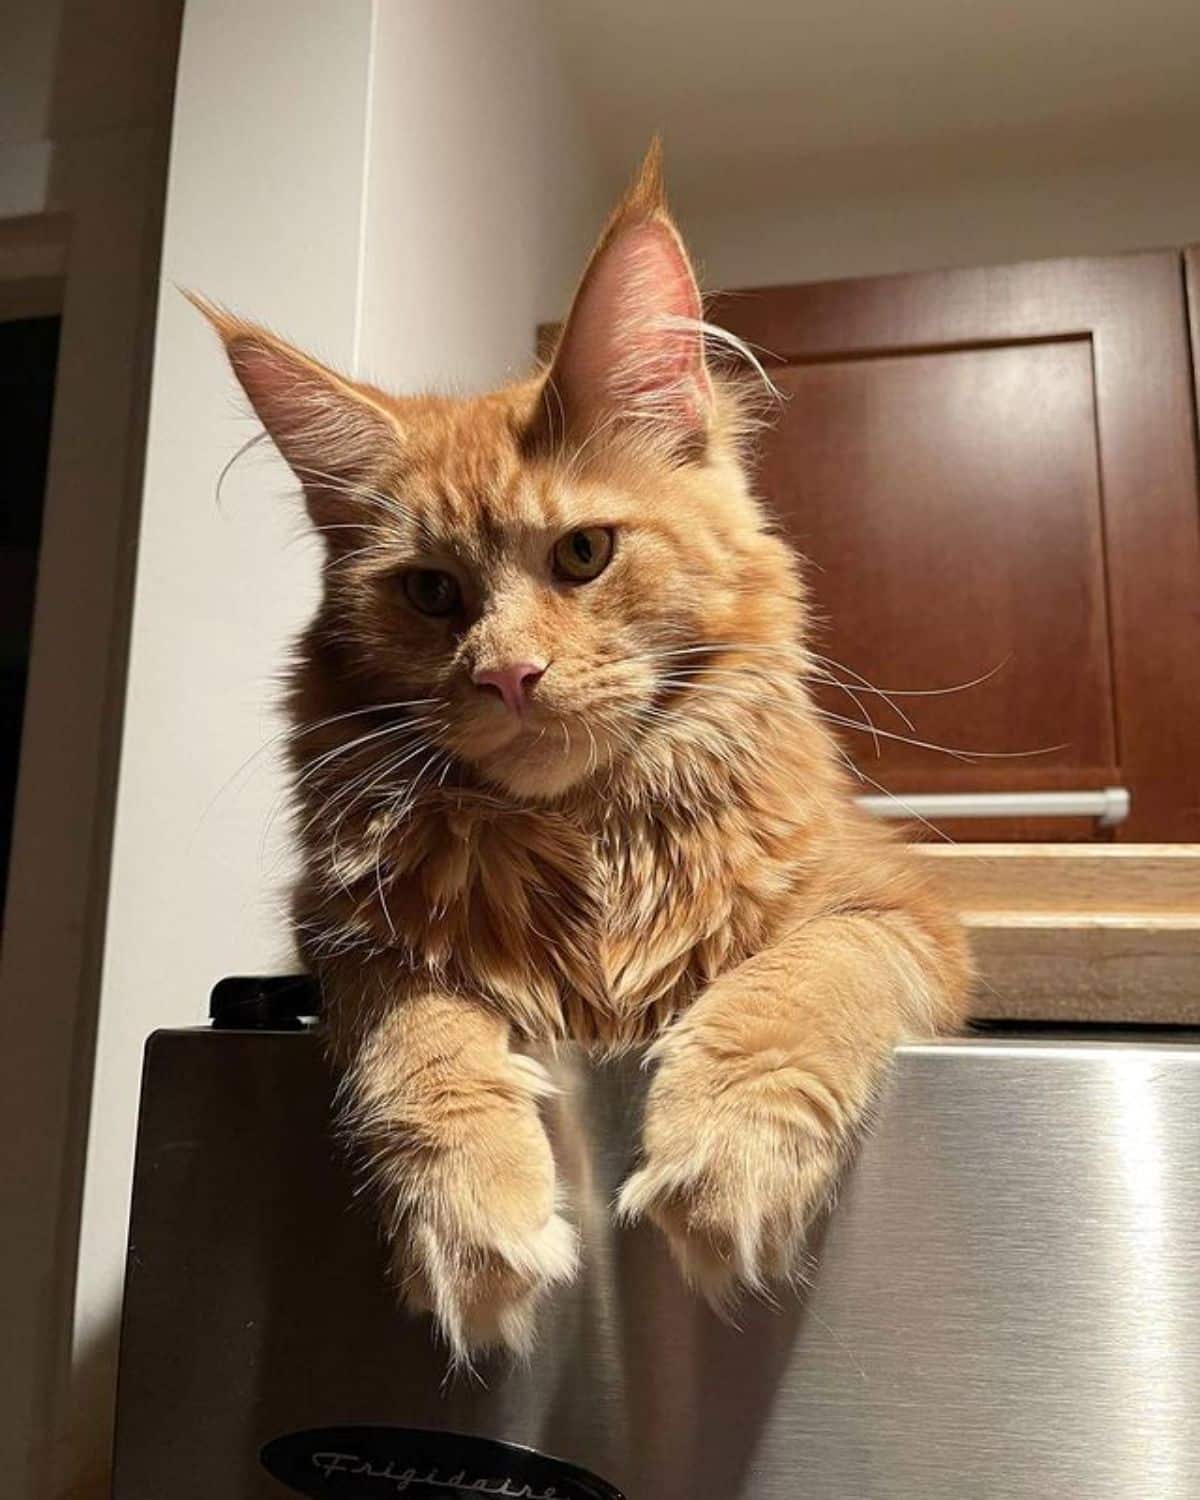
445	1116
762	1084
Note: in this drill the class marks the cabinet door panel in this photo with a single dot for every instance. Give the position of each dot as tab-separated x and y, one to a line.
942	499
995	469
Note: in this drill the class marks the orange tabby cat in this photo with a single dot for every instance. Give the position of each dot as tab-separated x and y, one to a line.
558	775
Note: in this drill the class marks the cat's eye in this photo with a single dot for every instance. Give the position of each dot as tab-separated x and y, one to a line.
431	591
582	555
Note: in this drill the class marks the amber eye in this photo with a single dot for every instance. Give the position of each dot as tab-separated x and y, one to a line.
431	591
583	555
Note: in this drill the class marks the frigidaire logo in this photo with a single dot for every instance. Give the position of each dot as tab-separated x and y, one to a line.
353	1463
459	1484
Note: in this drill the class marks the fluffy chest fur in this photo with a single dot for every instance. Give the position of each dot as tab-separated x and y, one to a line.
593	919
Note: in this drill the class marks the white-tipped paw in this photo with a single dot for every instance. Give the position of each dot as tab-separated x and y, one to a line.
734	1200
484	1292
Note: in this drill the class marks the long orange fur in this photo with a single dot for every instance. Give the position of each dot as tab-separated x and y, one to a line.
663	851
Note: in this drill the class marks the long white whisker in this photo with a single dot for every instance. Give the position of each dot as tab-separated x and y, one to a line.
862	685
372	776
351	746
299	731
957	687
780	707
899	801
964	755
293	795
259	437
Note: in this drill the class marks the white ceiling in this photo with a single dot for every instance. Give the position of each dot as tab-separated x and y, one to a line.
743	92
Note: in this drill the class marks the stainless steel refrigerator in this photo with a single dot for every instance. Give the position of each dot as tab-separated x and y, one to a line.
1004	1302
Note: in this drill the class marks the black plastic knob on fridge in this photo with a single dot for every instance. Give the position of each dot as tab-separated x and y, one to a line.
278	1003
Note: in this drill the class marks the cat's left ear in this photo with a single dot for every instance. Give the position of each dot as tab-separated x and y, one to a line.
632	348
331	431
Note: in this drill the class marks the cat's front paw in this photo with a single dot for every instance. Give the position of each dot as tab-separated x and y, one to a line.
483	1281
733	1177
478	1240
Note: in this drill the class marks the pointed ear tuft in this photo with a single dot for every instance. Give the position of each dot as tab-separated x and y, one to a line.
646	194
334	434
632	349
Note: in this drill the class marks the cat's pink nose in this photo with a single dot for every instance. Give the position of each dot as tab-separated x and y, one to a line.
512	682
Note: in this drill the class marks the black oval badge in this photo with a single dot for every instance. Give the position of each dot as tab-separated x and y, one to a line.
358	1463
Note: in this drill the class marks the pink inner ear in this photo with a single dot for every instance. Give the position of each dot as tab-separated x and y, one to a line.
622	348
263	379
320	427
276	389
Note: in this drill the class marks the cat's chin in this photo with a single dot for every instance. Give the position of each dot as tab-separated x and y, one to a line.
536	785
536	776
545	765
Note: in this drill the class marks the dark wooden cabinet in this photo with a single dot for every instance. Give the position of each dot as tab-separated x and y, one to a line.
993	475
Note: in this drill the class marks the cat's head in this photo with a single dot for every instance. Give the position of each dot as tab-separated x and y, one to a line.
548	569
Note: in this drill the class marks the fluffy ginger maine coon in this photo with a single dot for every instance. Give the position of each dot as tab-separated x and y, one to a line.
558	775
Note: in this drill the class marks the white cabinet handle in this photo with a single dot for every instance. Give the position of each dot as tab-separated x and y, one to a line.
1109	806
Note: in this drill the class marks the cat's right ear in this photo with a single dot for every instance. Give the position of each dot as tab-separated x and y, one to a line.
333	435
631	353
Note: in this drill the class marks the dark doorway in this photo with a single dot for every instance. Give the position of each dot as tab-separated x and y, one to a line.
28	361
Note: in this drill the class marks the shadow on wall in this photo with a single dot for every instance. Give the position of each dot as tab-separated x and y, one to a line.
83	1460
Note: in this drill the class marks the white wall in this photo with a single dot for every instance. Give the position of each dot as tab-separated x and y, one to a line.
399	187
484	196
863	219
826	139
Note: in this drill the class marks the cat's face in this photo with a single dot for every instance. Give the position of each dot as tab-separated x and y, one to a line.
543	572
550	612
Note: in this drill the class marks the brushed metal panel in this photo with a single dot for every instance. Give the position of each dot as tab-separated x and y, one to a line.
1004	1303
